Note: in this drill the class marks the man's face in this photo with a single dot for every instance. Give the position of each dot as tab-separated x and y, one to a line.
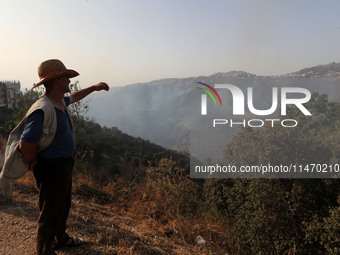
63	84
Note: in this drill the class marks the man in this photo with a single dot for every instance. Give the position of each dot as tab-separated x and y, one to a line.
47	143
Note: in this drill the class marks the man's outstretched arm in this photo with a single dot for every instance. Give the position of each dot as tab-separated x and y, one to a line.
80	94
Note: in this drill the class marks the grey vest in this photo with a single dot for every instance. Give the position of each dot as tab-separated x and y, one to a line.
14	165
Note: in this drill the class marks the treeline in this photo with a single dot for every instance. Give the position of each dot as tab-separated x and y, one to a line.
5	117
119	153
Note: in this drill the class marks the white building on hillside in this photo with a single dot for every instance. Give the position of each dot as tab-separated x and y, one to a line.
9	92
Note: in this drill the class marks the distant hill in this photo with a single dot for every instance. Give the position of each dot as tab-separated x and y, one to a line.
321	71
160	111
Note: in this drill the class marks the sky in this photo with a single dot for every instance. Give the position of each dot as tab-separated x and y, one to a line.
129	41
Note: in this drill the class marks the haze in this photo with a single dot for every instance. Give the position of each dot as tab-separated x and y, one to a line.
123	42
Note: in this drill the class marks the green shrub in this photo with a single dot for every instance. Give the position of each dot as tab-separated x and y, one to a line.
325	232
172	185
276	216
114	170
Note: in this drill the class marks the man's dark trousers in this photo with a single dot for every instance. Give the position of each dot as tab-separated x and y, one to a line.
54	180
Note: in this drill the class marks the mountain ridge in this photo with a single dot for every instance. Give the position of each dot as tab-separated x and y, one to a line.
160	110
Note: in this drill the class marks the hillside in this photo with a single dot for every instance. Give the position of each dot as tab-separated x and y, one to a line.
108	153
321	71
118	205
161	111
128	224
131	196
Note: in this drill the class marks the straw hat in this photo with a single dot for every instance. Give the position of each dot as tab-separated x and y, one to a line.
51	69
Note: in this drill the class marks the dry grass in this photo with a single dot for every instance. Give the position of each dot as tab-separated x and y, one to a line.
134	221
152	215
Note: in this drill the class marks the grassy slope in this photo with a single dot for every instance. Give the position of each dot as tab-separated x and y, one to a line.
130	220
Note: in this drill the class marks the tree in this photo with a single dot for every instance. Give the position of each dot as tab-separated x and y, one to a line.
274	216
24	102
80	108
